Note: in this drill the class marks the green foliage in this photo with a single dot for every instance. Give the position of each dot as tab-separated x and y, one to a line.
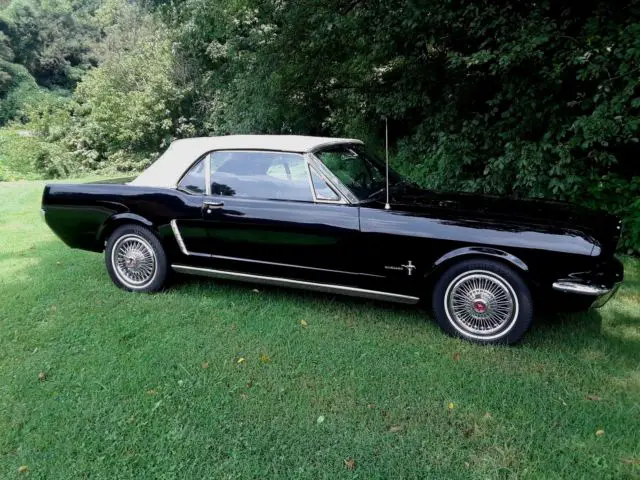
128	108
622	197
53	39
17	86
122	112
43	42
518	99
23	155
535	99
6	53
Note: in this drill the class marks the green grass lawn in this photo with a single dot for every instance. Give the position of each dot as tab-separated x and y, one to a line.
220	380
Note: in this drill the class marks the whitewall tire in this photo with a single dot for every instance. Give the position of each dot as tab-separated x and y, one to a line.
135	259
483	301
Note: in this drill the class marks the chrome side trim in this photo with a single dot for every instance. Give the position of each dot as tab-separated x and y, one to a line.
288	282
289	265
579	288
185	251
176	233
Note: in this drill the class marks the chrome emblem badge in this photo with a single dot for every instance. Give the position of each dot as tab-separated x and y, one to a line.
409	267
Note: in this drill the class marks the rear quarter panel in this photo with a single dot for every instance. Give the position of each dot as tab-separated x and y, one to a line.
81	214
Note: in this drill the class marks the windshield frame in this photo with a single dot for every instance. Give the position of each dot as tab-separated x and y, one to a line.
360	149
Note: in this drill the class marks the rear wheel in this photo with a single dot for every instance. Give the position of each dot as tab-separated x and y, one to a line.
135	259
483	301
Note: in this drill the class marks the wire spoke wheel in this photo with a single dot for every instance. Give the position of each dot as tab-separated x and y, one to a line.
481	304
134	261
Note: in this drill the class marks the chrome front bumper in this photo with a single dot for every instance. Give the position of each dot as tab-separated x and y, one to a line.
580	288
595	287
600	293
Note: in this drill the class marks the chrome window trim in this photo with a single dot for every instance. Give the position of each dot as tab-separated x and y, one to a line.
340	200
346	195
333	181
311	167
198	160
310	180
352	198
206	155
207	174
289	282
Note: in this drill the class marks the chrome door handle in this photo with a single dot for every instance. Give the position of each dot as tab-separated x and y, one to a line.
209	206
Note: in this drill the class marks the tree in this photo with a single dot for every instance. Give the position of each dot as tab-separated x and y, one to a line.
519	99
128	107
53	39
514	98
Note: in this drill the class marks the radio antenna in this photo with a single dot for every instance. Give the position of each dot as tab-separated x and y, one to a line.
386	138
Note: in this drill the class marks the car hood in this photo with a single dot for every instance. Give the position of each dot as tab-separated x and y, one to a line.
601	226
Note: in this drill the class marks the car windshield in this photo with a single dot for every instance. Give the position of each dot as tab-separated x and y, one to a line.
357	169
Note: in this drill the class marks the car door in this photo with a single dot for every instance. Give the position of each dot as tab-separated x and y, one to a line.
188	226
263	215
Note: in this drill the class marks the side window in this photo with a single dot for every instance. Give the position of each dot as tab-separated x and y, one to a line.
323	191
194	181
268	175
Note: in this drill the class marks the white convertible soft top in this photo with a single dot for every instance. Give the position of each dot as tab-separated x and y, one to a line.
171	165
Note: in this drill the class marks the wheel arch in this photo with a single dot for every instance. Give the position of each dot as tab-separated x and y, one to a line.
119	219
476	252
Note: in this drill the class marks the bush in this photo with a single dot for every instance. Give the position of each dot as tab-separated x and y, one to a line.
520	99
122	113
17	86
23	155
512	98
127	108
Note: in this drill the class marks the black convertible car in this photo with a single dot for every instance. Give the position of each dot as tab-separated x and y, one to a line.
310	212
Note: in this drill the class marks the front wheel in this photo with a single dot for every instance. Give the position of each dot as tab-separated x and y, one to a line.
135	259
483	301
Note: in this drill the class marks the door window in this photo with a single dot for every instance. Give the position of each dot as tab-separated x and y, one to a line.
268	175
